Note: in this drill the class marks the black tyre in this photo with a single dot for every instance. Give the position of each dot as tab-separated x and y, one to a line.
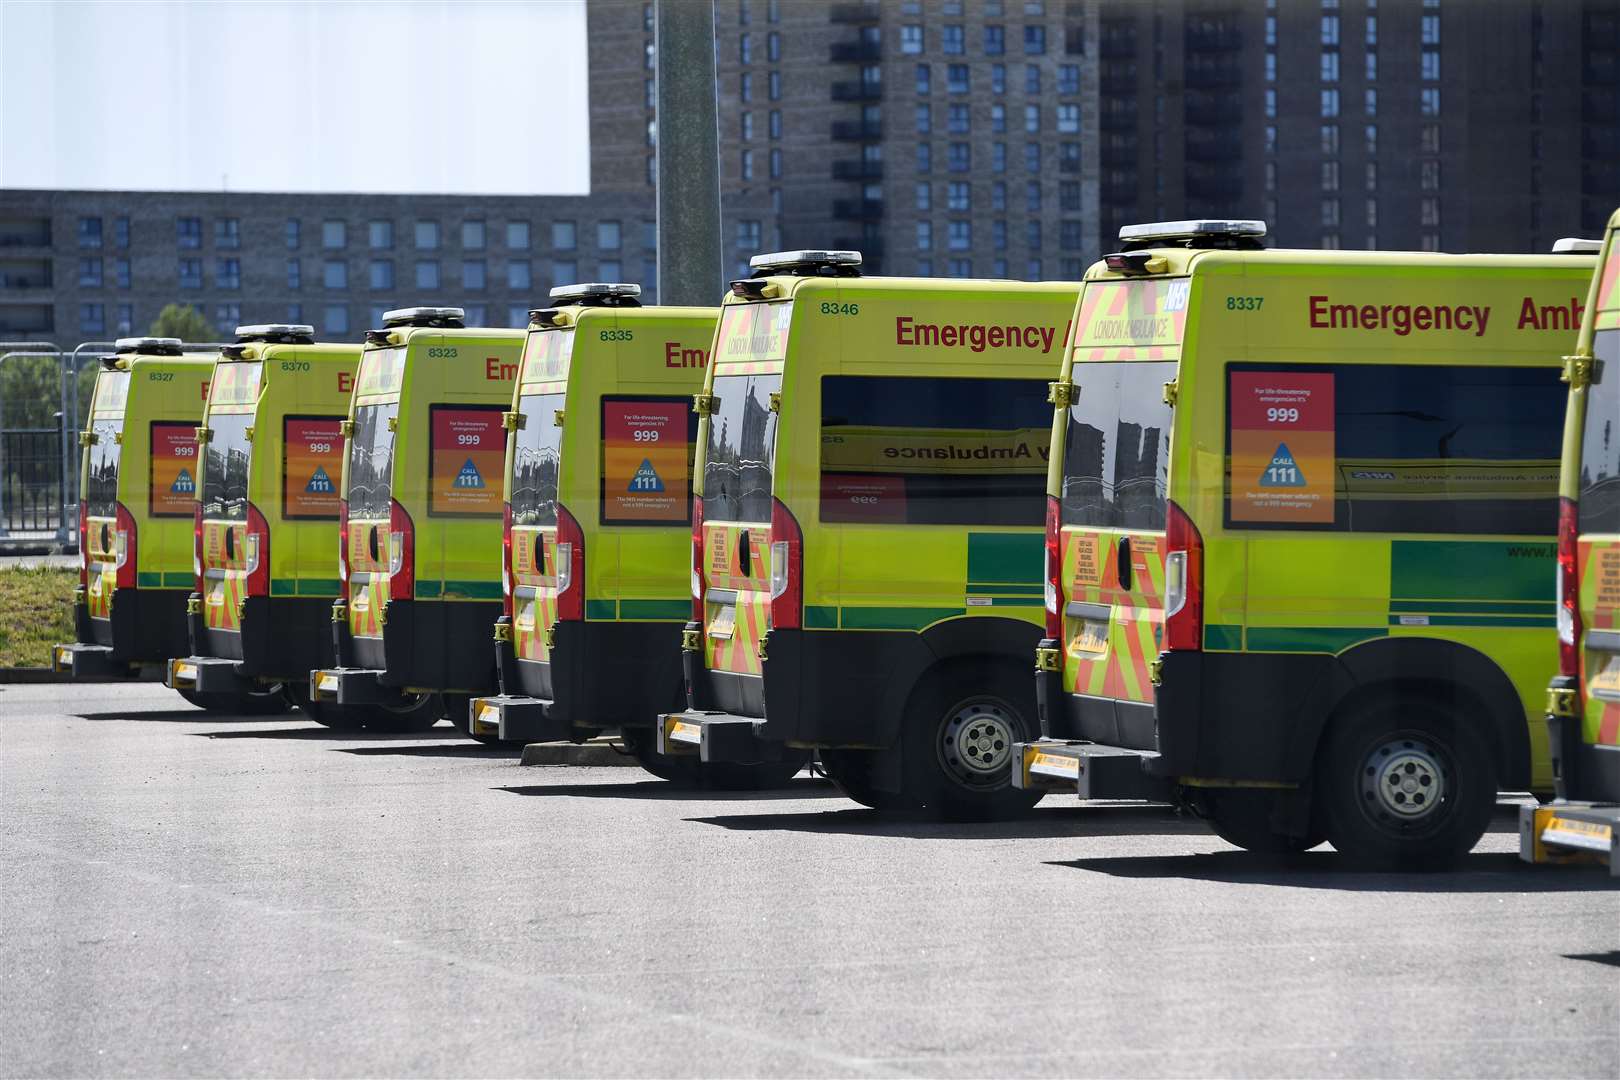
688	772
326	713
415	713
1401	784
266	701
1242	817
957	743
851	772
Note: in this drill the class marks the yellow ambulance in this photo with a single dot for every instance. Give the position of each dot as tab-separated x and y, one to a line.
1299	530
1583	703
419	523
598	519
866	535
271	457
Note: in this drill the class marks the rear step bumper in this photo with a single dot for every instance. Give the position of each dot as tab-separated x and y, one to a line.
514	718
205	675
1586	833
350	686
77	660
716	736
1091	770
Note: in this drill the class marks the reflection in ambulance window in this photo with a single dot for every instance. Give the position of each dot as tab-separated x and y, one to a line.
1600	452
935	451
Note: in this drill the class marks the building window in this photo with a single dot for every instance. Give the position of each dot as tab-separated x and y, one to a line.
995	40
564	237
1429	176
1370	103
191	273
998	195
1032	235
925	267
295	313
959	235
747	125
1429	138
1034	41
517	236
1429	29
380	234
1032	270
1071	235
776	163
773	47
187	230
773	83
960	268
956	78
925	119
1069	195
925	157
776	123
228	274
998	157
227	317
1032	79
925	196
293	234
747	167
925	236
1330	139
1032	196
958	195
1372	140
1032	118
745	89
517	315
607	235
90	272
959	157
1330	176
1271	138
1430	69
1069	79
1372	213
121	273
1068	119
1330	29
427	273
1271	176
335	274
1330	103
380	274
1330	213
121	232
472	235
1069	157
745	48
1429	211
998	78
1032	157
1372	177
335	319
334	234
1330	65
923	78
228	232
1372	66
92	318
957	120
1429	101
126	318
1271	103
295	274
998	118
1271	67
427	235
953	41
998	237
90	232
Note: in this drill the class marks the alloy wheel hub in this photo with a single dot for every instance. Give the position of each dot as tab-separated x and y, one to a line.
1403	779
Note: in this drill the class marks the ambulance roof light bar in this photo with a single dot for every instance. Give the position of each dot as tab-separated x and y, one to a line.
277	333
807	262
1232	233
452	318
597	294
1575	245
152	346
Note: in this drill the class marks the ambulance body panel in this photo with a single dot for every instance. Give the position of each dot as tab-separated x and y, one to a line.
272	459
598	491
138	476
870	476
1288	486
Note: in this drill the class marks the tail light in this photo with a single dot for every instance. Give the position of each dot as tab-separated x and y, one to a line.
197	549
401	553
1183	583
570	567
506	562
256	545
84	543
787	569
124	544
1569	590
1054	568
343	548
697	559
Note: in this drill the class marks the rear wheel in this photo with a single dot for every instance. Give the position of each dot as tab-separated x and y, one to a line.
261	701
411	714
957	743
851	772
1242	816
1402	785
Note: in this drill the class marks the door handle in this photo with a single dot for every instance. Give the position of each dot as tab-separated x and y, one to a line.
1123	561
745	554
371	545
539	552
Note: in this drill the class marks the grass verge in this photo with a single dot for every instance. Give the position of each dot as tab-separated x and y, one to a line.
36	611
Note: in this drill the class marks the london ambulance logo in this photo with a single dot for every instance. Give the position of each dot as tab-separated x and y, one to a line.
1283	472
183	484
469	477
646	478
320	483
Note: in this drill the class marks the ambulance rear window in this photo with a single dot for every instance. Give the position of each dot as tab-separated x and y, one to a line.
536	460
1600	453
101	475
1116	460
741	452
225	467
371	461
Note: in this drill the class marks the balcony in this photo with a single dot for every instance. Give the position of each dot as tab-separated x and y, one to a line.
857	130
25	232
857	170
871	249
1216	149
855	52
857	91
26	320
1117	46
1214	39
855	13
857	209
25	274
1219	188
1211	110
1596	108
1213	76
1119	120
1121	194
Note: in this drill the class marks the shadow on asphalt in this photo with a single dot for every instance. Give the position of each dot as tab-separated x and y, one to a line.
450	750
804	788
1612	959
1065	821
319	734
1480	872
184	716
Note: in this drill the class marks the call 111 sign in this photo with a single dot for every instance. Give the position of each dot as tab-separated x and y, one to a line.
1283	454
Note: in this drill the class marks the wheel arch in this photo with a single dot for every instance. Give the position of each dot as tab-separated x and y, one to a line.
999	641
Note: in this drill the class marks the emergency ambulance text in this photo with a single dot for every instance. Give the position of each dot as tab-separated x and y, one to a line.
976	337
1401	318
678	356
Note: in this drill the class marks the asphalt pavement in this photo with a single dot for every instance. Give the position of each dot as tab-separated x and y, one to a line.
192	895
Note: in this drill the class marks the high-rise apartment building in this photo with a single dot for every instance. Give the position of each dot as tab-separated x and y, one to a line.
993	138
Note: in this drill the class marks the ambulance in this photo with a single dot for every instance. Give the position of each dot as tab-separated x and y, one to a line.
419	521
1300	523
270	457
138	478
598	519
866	544
1583	702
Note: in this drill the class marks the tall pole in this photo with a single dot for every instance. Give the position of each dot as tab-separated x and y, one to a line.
689	262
